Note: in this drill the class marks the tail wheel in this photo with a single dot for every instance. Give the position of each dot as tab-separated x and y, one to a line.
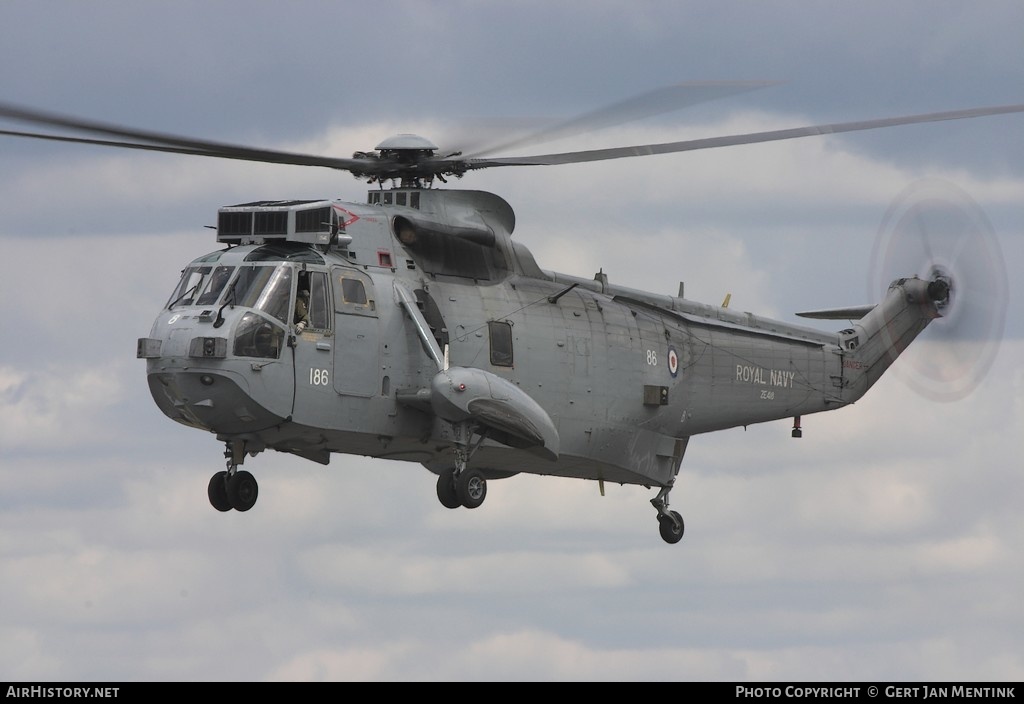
671	527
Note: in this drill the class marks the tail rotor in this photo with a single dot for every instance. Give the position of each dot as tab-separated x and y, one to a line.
935	231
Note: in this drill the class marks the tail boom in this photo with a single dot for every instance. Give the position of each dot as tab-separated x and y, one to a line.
878	338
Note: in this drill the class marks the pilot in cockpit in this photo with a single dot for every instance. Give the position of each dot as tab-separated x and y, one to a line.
301	311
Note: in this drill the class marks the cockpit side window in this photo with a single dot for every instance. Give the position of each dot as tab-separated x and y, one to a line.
266	288
311	300
258	337
318	316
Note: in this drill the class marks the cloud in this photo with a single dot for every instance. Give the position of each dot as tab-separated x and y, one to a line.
499	574
44	409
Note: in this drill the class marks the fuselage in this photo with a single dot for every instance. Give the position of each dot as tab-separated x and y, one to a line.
625	376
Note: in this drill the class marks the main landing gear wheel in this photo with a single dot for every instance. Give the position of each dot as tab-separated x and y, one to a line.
446	492
461	486
671	527
242	490
471	488
218	492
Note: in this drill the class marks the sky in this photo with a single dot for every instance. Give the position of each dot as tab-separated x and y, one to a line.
886	544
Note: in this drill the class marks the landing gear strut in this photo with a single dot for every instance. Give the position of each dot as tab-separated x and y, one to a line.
233	488
461	486
670	523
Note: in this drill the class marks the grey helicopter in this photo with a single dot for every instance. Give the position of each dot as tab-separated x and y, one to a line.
414	327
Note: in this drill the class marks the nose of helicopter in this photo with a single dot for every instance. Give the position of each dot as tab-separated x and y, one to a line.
195	381
213	400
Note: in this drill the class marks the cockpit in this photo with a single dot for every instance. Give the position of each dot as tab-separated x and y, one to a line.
264	287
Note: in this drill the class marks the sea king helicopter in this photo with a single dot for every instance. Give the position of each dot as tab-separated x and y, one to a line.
414	327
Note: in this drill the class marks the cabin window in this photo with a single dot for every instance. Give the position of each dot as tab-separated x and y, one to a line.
353	291
501	343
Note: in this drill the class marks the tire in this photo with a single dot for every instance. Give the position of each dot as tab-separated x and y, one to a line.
471	488
671	530
446	492
242	491
217	490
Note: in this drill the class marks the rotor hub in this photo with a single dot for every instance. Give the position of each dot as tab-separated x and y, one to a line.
406	143
408	158
940	287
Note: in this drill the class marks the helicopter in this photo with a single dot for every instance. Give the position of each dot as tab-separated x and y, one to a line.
413	327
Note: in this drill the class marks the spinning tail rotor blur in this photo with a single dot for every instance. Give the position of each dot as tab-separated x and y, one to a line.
935	230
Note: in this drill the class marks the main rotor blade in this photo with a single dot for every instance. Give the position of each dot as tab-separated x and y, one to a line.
654	102
730	140
106	143
164	142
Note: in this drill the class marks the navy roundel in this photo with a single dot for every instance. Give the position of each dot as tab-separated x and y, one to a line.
673	361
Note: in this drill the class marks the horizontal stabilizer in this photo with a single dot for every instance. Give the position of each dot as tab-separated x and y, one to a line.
850	313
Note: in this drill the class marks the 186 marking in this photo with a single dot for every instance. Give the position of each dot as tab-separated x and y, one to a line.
319	377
